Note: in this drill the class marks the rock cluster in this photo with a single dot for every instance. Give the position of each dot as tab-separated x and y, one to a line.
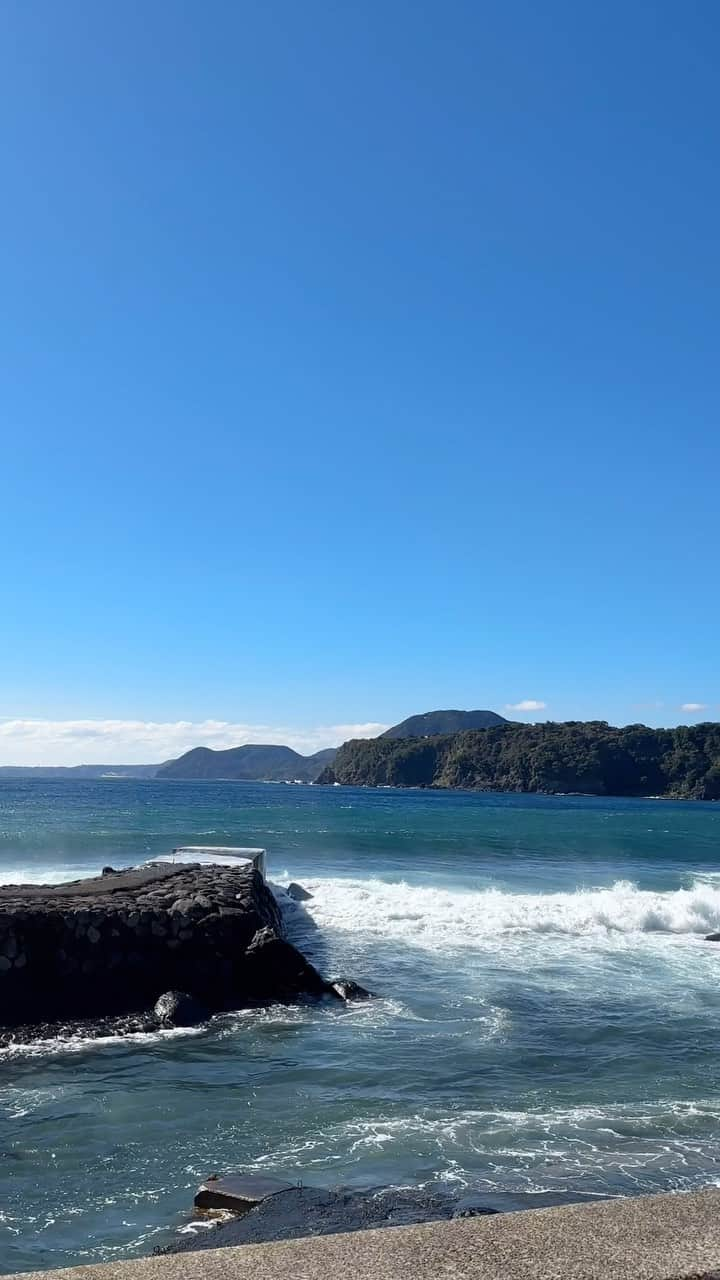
309	1211
290	1212
116	943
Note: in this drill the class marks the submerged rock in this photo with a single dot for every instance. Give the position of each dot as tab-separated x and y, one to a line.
297	892
179	1009
712	937
309	1211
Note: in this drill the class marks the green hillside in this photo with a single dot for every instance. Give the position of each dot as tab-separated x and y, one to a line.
248	764
591	757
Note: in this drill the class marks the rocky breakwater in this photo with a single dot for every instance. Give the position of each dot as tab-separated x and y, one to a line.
113	944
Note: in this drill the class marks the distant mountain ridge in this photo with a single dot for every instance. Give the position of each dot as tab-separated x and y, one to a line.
258	762
430	723
249	763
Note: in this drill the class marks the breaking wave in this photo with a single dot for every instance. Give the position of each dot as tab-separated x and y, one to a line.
438	918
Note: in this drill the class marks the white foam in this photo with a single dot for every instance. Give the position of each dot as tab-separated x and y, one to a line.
437	918
55	1046
19	874
591	1148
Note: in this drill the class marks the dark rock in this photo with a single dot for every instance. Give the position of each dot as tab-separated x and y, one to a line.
346	989
183	906
81	1029
472	1207
297	892
178	1009
108	871
275	969
309	1211
712	937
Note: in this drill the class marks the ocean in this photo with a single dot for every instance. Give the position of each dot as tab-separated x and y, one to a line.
545	1020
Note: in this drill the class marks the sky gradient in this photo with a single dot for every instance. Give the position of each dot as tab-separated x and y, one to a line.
356	361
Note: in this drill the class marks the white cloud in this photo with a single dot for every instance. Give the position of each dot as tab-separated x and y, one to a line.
527	704
694	706
68	742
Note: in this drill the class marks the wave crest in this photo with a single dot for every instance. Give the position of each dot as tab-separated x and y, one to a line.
438	918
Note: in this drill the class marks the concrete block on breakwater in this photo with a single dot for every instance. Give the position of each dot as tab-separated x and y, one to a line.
238	1192
113	944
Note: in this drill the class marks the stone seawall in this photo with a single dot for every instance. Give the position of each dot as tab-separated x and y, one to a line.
113	944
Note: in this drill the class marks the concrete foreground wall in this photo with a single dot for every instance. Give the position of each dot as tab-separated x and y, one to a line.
668	1237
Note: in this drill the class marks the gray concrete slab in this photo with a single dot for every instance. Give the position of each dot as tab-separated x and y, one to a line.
238	1192
130	880
649	1238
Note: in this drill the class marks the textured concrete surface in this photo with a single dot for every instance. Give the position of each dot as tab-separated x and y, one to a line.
648	1238
238	1192
130	880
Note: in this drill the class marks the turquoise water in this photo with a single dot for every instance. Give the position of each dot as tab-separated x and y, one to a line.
546	1014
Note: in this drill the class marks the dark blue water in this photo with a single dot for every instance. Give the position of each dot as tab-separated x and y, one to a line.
546	1017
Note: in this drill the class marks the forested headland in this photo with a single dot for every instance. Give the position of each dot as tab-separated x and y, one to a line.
591	757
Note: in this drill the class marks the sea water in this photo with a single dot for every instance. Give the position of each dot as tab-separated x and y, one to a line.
546	1013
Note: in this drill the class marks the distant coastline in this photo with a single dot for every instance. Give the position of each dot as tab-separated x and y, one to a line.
76	772
459	750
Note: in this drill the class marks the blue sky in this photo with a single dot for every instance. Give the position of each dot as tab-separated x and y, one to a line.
356	360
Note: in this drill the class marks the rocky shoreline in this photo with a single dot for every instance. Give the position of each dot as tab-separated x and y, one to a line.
204	937
313	1211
